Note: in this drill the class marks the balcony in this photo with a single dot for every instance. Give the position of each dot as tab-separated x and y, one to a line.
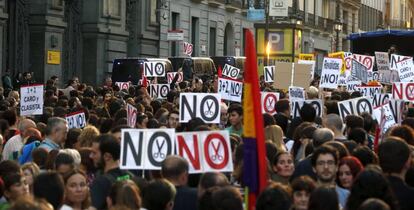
196	1
233	5
310	20
216	3
329	25
320	23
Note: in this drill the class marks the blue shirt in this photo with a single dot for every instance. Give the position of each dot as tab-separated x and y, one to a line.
49	145
342	195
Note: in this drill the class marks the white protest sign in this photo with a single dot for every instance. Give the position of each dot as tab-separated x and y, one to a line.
297	105
131	115
388	76
406	70
312	66
395	59
206	151
380	99
171	76
147	83
403	91
330	73
188	48
269	100
384	116
369	91
366	60
159	90
348	62
76	120
154	69
230	71
31	100
355	106
201	105
359	71
383	61
352	83
296	93
230	89
122	85
146	148
268	73
397	108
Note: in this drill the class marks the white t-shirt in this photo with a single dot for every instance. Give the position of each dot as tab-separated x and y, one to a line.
14	144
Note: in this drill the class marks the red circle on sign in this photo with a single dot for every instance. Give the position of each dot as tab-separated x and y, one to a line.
207	155
367	62
125	86
272	109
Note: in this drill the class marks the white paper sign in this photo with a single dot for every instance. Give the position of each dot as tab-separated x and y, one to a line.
31	100
76	120
355	106
352	83
330	73
383	61
230	71
297	105
395	59
131	115
154	69
406	70
159	90
278	8
230	89
201	105
171	76
269	100
268	73
296	93
385	117
122	85
403	91
366	60
369	91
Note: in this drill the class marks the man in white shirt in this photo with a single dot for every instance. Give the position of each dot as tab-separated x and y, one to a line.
15	143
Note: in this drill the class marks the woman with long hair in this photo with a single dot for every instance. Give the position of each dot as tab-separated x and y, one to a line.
77	194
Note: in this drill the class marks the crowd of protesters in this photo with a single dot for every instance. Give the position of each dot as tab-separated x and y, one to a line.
313	163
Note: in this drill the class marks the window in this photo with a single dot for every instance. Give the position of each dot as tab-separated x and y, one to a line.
111	8
153	11
212	42
195	31
175	24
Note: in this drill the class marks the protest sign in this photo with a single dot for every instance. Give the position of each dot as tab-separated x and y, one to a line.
231	90
380	99
268	73
383	61
330	73
397	108
383	114
359	71
352	83
147	82
297	105
76	119
369	91
366	60
146	148
311	66
31	100
171	76
306	57
348	62
202	105
154	69
269	100
131	115
395	59
230	71
355	106
388	76
403	91
405	70
296	93
206	151
159	90
122	85
282	77
301	74
339	55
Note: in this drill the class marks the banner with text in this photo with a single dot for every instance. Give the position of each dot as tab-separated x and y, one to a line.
202	105
31	100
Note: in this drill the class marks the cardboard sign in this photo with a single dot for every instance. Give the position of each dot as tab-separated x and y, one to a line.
403	91
268	73
352	83
296	93
406	70
154	69
131	115
306	57
230	89
380	99
330	73
383	61
396	59
76	120
366	60
122	85
269	100
202	105
230	71
297	105
171	76
311	66
355	106
291	74
159	90
146	148
359	71
206	151
31	100
369	91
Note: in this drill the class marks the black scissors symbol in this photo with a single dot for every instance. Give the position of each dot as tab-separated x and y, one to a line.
159	154
209	112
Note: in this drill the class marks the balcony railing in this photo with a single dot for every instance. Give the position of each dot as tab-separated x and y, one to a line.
310	21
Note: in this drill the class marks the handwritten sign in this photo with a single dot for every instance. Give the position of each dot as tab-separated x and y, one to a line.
31	100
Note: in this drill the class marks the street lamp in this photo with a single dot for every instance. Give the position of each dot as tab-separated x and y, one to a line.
337	25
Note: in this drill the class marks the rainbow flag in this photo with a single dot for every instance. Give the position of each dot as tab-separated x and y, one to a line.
254	160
